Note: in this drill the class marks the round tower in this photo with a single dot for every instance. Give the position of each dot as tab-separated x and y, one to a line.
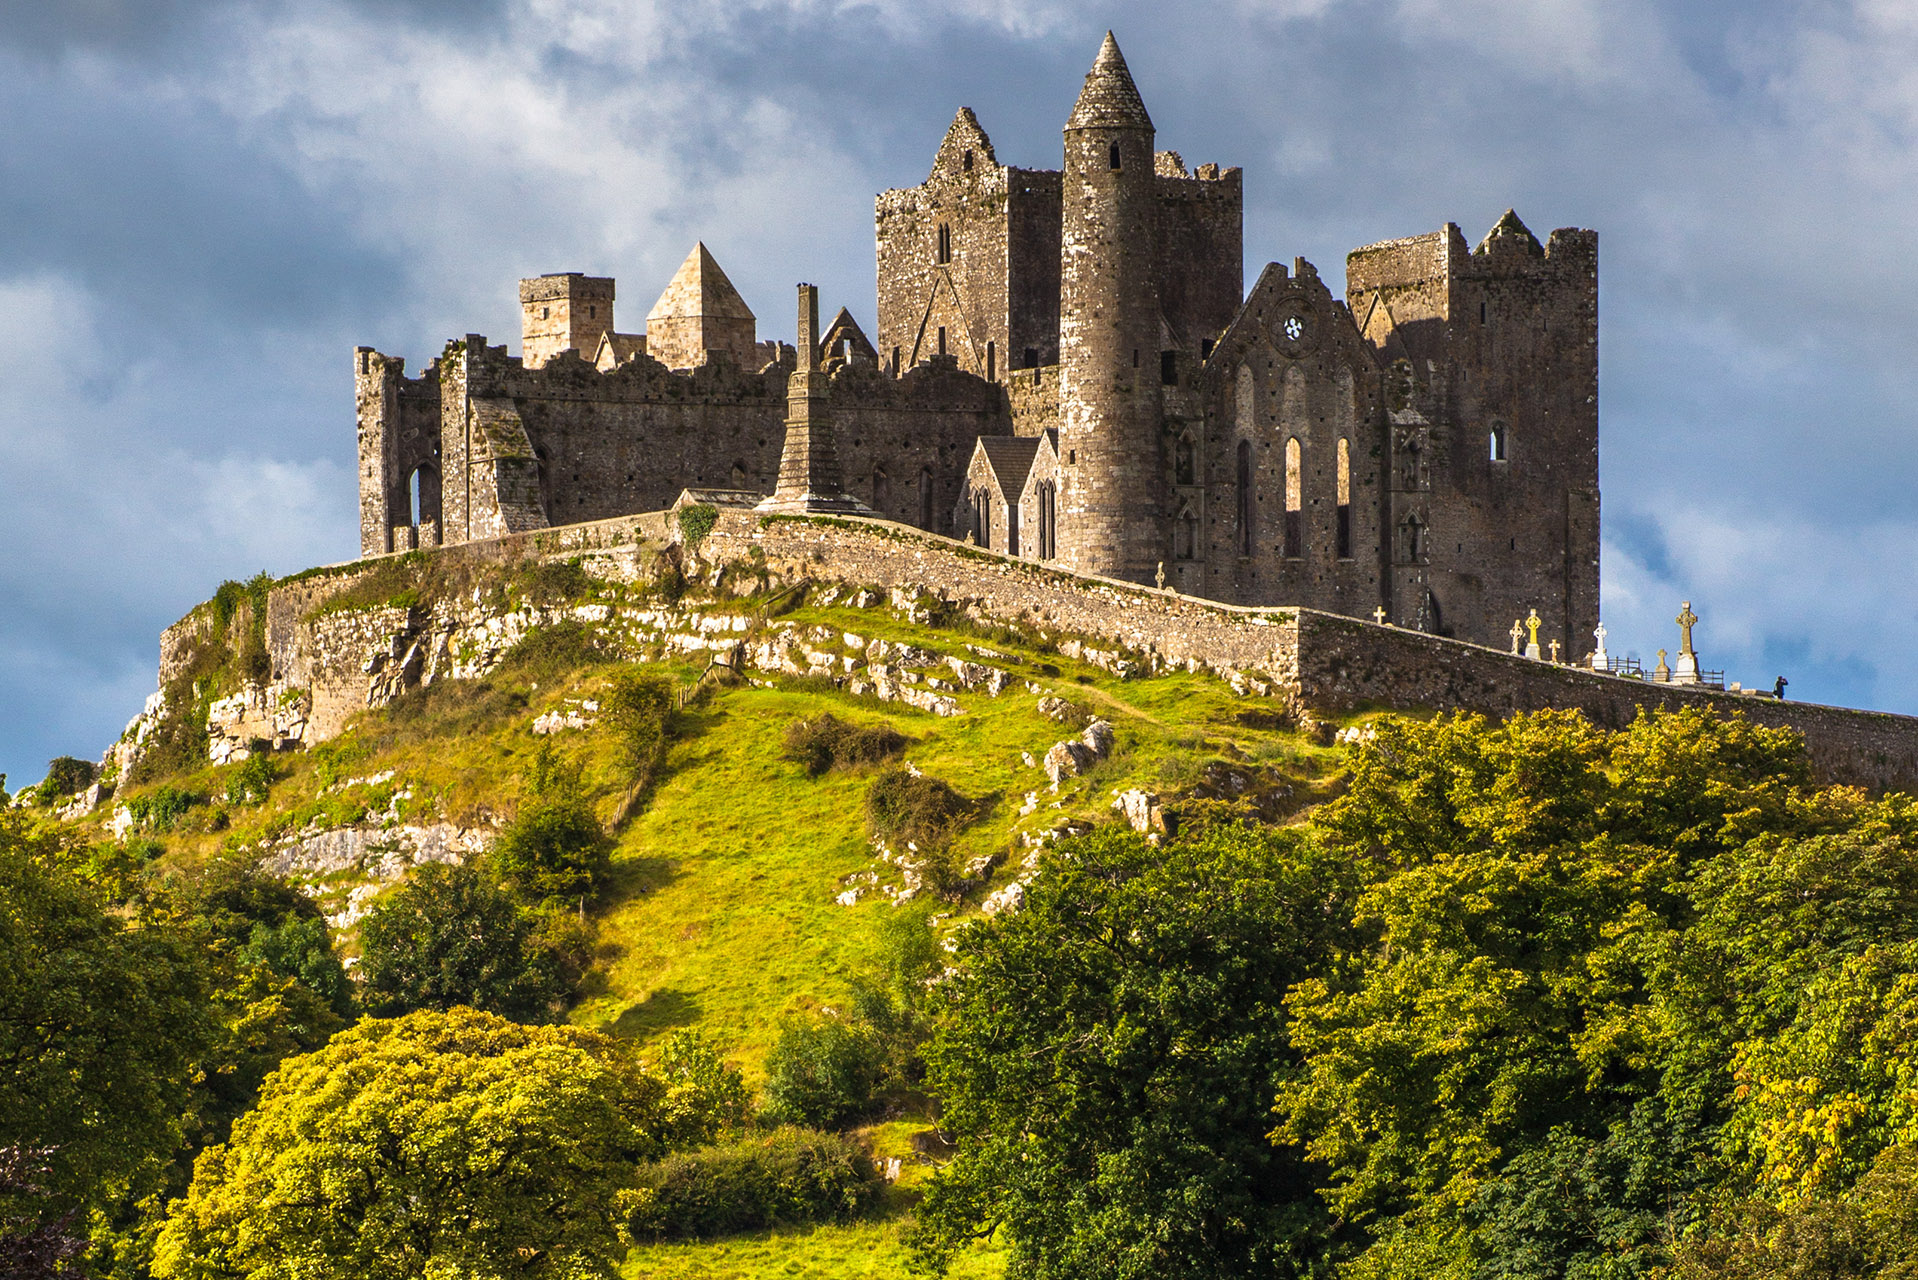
1109	399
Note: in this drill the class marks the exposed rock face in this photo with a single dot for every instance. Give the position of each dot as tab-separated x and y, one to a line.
382	854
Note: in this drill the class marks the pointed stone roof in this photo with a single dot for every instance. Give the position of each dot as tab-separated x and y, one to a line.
700	288
1510	228
1110	100
963	135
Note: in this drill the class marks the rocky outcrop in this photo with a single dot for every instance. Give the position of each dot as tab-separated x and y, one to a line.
1074	756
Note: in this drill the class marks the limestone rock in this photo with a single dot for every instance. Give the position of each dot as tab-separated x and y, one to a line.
1142	811
1068	760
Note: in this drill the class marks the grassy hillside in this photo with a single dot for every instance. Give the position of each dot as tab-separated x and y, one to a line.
723	912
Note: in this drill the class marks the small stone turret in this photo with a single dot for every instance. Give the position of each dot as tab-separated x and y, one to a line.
1109	332
565	312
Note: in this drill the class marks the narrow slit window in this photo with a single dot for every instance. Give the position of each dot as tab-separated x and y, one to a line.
1245	498
1344	531
1294	513
1112	156
1498	442
944	252
925	498
942	339
1169	368
992	362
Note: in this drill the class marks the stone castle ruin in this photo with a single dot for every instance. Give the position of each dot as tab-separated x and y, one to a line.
1068	370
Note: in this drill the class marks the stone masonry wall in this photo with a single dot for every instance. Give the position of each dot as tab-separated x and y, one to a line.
1317	662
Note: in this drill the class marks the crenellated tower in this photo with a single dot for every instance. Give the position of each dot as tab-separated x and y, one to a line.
1111	474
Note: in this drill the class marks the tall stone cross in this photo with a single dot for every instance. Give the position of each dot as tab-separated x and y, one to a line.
1599	656
1554	651
1159	577
1518	634
1686	620
1378	615
1532	623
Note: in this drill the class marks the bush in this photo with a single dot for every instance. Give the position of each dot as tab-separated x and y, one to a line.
705	1097
638	709
826	742
161	809
903	807
252	781
451	937
555	847
786	1176
66	776
822	1072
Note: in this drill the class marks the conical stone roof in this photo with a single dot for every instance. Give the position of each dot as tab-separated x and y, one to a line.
699	289
1110	100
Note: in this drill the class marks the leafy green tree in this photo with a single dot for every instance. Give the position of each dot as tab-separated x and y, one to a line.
102	1026
1107	1056
1868	1233
450	937
822	1071
439	1144
261	920
1508	1015
705	1097
555	849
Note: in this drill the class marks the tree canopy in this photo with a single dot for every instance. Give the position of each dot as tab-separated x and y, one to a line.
452	1144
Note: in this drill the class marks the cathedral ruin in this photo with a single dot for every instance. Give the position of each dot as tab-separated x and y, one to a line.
1068	369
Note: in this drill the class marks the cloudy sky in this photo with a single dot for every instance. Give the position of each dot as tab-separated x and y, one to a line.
206	204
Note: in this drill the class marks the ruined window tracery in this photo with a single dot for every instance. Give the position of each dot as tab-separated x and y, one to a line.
1185	535
881	490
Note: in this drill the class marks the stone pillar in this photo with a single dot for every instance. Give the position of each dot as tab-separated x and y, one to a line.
809	480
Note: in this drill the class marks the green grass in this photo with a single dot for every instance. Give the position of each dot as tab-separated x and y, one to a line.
866	1249
721	915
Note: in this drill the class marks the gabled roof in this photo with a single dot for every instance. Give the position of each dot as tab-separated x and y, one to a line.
843	326
1109	100
700	289
1010	458
616	349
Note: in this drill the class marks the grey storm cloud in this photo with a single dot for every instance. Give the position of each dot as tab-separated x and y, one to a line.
204	206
